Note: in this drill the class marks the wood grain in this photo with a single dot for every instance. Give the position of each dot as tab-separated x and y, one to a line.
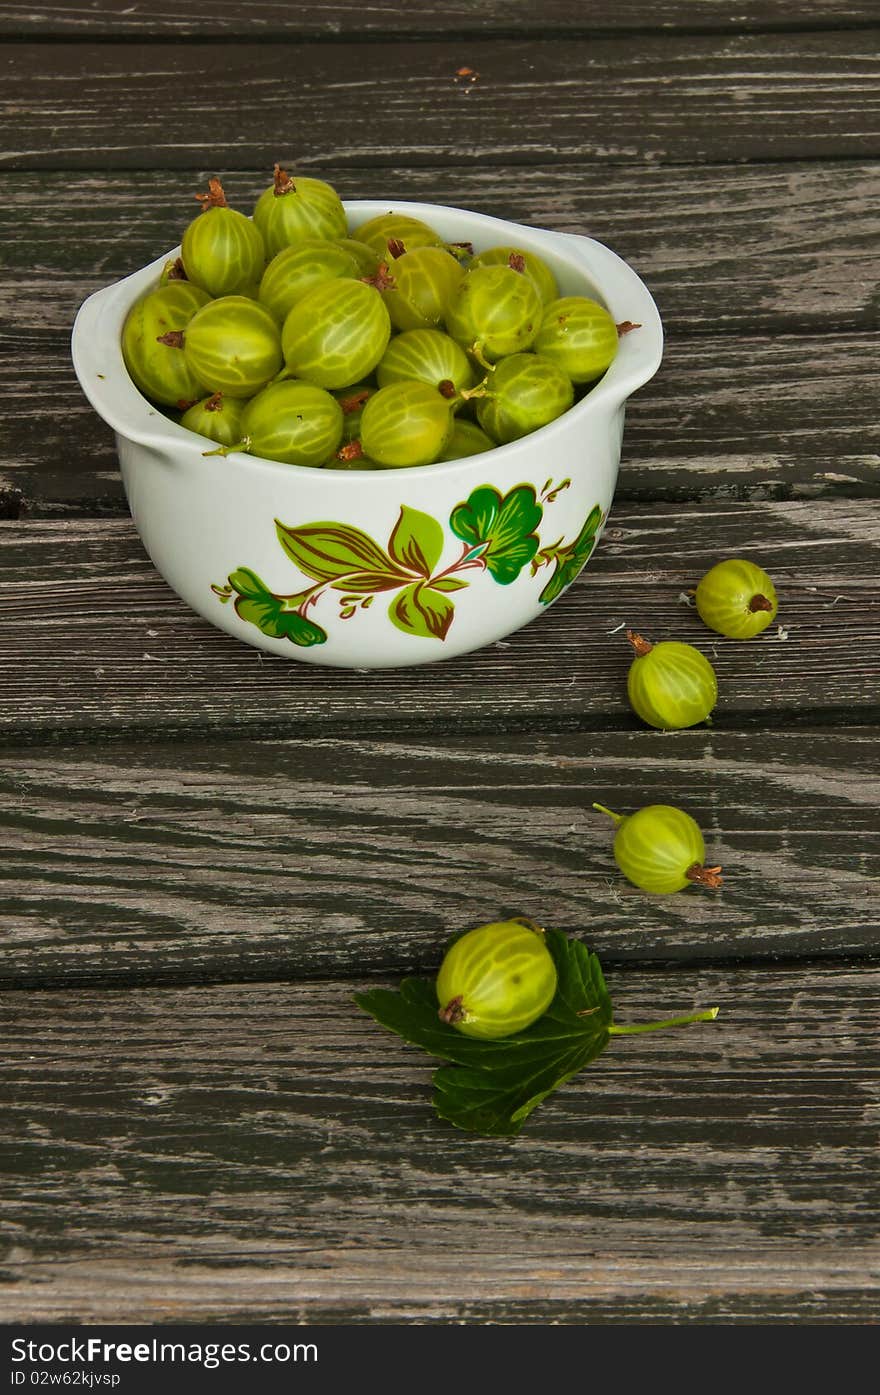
266	1152
184	861
331	19
93	640
772	248
725	418
711	98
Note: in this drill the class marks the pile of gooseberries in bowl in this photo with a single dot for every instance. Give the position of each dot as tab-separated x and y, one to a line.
336	421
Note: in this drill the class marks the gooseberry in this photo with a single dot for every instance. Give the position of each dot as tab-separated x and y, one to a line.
336	334
579	335
295	270
233	344
670	685
522	393
495	311
736	598
222	251
660	849
152	344
294	209
403	424
291	421
427	356
496	980
216	417
533	266
376	233
423	282
467	439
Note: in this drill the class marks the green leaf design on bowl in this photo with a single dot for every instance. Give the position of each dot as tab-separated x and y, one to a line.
571	560
502	526
273	615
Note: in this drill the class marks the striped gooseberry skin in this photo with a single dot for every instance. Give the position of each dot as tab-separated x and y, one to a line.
670	685
661	849
426	356
534	267
161	371
736	598
234	346
579	335
336	334
467	439
524	392
216	417
377	232
425	280
294	422
222	251
496	980
495	311
294	271
311	208
406	423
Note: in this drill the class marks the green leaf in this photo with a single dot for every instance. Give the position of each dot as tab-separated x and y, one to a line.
493	1086
503	526
447	583
417	541
331	551
276	616
422	610
570	561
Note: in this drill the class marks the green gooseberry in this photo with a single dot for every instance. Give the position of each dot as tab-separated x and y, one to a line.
233	344
293	422
670	685
222	251
660	849
376	233
496	980
216	417
495	311
427	356
467	439
153	340
736	598
293	210
295	270
422	284
522	393
336	334
519	259
579	335
405	423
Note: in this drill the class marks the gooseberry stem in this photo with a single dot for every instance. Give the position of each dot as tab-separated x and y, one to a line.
618	818
760	602
705	876
708	1016
641	645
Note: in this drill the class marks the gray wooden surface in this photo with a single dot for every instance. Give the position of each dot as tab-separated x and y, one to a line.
206	850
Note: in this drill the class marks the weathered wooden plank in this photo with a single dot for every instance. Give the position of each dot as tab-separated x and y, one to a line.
772	248
186	861
764	97
267	1152
725	418
94	640
274	19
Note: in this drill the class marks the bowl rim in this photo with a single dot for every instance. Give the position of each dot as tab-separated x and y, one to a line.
96	348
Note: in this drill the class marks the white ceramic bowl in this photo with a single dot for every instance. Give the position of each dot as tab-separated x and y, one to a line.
378	568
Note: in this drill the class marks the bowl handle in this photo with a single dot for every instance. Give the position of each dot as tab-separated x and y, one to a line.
94	348
628	299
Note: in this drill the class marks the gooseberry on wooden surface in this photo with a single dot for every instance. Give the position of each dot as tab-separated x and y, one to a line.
496	980
661	849
736	598
670	685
